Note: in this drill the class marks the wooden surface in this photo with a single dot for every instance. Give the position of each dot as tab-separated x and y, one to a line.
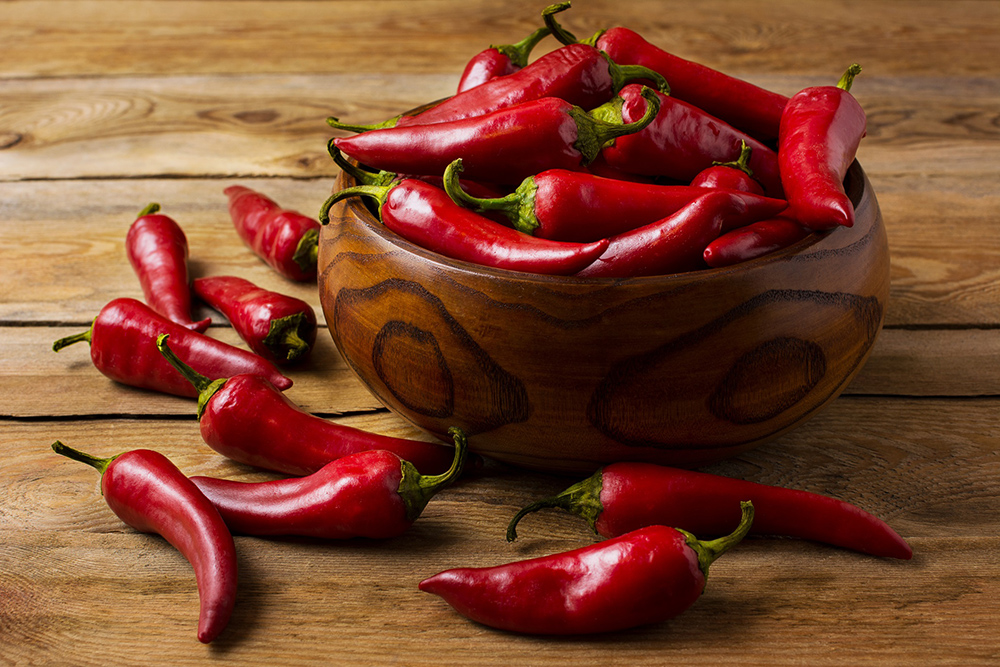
107	106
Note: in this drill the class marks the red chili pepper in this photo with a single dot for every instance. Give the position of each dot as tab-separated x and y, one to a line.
157	249
733	175
122	342
425	215
622	497
286	240
681	141
373	494
821	129
647	576
245	418
676	243
754	240
504	146
499	60
150	494
280	328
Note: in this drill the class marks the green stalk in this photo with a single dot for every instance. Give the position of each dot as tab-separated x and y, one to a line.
848	78
560	33
206	386
519	52
593	133
100	464
582	499
376	192
518	206
284	337
416	490
708	551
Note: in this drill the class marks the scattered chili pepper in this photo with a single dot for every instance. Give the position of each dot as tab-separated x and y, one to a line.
122	342
504	146
499	60
286	240
733	175
245	418
754	240
622	497
646	576
821	129
278	327
157	249
424	214
147	491
373	494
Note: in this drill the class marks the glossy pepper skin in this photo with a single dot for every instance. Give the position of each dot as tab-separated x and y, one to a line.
157	249
622	497
278	327
821	129
123	347
753	241
499	60
733	175
373	494
425	215
147	491
245	418
646	576
286	240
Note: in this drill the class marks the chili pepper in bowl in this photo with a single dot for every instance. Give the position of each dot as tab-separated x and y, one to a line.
733	175
286	240
622	497
278	327
147	491
157	249
755	240
373	494
247	419
499	60
122	342
646	576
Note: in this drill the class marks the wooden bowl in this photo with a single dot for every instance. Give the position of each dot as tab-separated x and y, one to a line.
567	374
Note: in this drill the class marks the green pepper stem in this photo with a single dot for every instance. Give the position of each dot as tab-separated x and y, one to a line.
582	499
848	78
350	127
708	551
75	338
742	162
560	33
306	254
518	206
376	192
622	74
206	386
100	464
519	52
362	176
416	490
593	133
149	210
284	337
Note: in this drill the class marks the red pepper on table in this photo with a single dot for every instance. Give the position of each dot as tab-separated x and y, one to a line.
373	494
647	576
157	249
278	327
733	175
753	241
245	418
622	497
122	342
499	60
504	146
286	240
821	129
147	491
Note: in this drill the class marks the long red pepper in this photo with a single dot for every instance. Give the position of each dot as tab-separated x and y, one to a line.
821	129
122	342
425	215
733	175
245	418
157	249
278	327
753	241
499	60
504	146
622	497
647	576
286	240
373	494
147	491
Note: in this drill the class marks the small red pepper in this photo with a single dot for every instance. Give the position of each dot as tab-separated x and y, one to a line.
424	214
733	175
278	327
157	249
753	241
122	342
821	129
499	60
647	576
286	240
150	494
373	494
245	418
622	497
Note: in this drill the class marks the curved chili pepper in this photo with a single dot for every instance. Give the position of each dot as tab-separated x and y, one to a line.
676	243
733	175
278	327
647	576
622	497
504	146
424	214
373	494
122	342
245	418
753	109
499	60
286	240
150	494
157	249
821	130
681	141
755	240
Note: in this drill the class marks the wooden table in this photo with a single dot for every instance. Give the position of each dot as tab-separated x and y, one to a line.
107	106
